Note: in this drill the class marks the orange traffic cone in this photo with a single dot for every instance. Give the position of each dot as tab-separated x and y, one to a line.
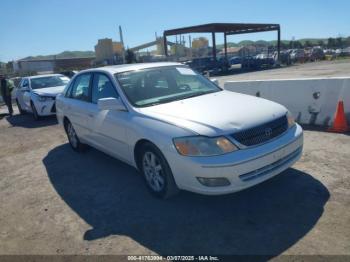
340	124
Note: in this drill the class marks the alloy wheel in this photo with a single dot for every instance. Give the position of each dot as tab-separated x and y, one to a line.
72	136
153	171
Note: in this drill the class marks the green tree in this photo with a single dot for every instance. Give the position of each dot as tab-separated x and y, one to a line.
331	42
320	43
347	42
308	43
298	44
339	42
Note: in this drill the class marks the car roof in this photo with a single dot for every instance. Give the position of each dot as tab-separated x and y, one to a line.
39	76
131	67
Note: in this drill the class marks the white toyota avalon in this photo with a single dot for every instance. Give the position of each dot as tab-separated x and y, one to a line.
37	94
179	129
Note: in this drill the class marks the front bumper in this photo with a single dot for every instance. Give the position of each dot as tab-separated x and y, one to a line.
243	168
46	108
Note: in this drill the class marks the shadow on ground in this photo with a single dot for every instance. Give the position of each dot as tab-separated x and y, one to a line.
2	115
111	197
28	121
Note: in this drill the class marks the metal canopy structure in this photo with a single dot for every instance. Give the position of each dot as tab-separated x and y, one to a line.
226	29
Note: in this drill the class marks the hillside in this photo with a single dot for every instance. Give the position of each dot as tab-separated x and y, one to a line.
312	41
65	54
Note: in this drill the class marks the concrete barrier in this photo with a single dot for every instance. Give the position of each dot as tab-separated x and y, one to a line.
311	101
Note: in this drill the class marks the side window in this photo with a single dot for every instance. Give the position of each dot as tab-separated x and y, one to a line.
102	88
25	83
80	89
68	90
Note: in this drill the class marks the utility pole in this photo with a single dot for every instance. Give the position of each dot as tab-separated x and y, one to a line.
122	42
190	45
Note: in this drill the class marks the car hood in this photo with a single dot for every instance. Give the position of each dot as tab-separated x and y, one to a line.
49	91
216	113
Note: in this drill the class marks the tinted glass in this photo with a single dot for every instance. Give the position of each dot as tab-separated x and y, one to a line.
102	88
80	89
48	81
25	83
165	84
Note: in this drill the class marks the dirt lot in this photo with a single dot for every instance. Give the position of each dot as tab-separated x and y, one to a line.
336	68
56	201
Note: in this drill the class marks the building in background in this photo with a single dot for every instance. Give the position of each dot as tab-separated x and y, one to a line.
41	66
108	52
241	51
200	42
200	47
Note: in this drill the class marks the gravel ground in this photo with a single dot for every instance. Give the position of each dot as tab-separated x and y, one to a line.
56	201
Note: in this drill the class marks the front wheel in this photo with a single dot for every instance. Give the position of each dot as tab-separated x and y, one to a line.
157	173
35	113
21	111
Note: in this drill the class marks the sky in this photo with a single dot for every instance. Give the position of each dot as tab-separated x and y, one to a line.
41	27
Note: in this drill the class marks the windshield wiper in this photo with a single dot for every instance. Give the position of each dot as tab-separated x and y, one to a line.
172	99
199	94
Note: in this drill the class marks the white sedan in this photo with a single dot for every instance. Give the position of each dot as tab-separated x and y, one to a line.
180	130
37	94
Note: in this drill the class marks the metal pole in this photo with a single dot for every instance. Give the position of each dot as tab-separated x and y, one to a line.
165	46
122	42
190	45
278	44
225	42
214	45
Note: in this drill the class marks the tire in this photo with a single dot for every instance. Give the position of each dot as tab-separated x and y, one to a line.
36	116
73	137
156	172
21	111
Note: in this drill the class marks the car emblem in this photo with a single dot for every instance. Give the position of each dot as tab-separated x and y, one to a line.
268	132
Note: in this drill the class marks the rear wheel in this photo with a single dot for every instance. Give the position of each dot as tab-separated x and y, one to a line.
73	137
156	172
21	111
35	113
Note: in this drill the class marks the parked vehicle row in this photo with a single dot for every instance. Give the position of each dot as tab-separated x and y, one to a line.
37	94
209	65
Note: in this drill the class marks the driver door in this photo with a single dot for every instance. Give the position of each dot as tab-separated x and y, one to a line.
23	94
108	127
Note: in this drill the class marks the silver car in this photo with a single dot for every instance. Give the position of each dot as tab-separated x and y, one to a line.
179	129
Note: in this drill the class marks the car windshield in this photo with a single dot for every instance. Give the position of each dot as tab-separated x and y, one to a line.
48	81
148	87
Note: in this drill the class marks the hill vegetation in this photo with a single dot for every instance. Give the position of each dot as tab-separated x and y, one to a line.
65	54
339	42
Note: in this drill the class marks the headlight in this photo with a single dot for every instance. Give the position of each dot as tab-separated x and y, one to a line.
203	146
291	121
44	98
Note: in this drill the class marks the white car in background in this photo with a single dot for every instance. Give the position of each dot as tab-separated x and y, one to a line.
37	94
180	130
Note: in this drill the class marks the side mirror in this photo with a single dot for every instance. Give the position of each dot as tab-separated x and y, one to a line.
111	103
215	81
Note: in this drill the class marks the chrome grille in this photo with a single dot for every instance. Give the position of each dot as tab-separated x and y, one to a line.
262	133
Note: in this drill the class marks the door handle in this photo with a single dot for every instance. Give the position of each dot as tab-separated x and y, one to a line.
91	115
